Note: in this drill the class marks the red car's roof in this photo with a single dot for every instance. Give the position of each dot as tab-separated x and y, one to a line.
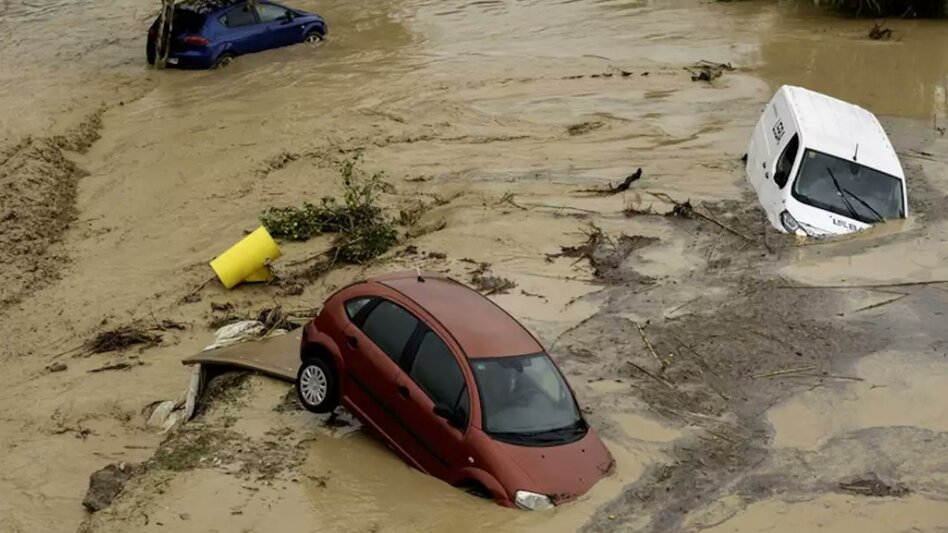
481	327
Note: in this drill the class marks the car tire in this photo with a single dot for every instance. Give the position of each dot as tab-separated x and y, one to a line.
313	37
317	385
223	60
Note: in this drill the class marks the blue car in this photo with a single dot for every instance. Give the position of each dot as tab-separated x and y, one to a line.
211	33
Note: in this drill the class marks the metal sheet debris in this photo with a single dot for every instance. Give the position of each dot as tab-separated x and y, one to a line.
275	356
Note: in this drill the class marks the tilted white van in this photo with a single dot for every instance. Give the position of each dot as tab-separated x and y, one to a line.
821	166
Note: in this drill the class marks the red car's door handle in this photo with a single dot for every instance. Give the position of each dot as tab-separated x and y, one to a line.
403	391
352	341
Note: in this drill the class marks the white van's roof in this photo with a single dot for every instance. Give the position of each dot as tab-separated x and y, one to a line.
835	127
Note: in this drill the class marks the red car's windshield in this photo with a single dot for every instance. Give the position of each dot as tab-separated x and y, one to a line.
525	400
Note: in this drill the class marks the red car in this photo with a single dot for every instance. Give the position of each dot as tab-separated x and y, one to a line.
455	386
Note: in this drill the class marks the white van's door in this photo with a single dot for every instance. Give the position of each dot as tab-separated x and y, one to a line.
783	147
784	169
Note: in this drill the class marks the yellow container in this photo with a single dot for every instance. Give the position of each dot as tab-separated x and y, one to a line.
247	260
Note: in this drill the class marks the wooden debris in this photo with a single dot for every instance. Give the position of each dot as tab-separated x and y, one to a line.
879	32
785	372
651	375
621	187
708	71
662	363
880	304
871	485
124	365
121	338
868	286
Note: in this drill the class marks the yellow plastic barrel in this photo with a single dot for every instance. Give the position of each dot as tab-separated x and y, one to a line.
247	260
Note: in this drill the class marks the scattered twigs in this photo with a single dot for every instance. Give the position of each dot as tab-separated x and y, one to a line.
689	414
785	372
651	375
616	189
508	198
116	366
121	338
703	364
671	313
722	437
69	351
827	376
563	207
880	304
768	336
867	286
701	360
662	363
310	258
686	210
191	295
723	226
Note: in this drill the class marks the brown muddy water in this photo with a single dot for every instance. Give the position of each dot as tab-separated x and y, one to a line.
470	101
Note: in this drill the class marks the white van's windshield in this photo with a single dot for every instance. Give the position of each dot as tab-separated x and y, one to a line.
848	188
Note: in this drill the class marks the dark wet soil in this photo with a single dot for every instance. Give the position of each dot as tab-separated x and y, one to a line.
720	365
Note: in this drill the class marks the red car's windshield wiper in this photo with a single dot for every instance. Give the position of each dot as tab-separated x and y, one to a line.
546	435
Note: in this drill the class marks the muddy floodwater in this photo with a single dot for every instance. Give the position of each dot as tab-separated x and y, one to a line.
743	381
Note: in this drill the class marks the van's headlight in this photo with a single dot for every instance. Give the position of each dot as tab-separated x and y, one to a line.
796	227
790	224
532	501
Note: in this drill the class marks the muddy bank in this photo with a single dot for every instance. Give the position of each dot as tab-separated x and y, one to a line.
38	184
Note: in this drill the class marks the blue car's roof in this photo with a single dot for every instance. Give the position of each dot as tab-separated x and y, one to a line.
205	7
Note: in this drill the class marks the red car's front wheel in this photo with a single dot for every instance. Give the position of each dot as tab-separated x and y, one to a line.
317	386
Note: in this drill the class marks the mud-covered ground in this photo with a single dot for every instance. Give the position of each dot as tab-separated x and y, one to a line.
743	381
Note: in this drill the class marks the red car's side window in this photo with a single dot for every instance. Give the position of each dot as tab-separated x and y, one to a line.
390	327
437	372
355	305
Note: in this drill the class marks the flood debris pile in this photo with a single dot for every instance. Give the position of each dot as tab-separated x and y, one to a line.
486	283
871	485
362	231
121	338
606	254
880	32
583	128
262	322
708	71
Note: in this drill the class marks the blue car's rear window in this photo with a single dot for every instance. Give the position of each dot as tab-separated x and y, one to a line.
186	21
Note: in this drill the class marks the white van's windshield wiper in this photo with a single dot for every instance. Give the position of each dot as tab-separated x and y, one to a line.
879	218
852	212
842	194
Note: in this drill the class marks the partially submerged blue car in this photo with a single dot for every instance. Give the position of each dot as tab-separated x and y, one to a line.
211	33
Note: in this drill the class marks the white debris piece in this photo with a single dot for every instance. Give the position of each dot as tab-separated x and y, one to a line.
237	332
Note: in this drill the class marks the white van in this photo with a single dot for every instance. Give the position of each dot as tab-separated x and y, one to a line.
822	166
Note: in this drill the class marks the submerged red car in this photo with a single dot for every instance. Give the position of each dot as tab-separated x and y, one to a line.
455	386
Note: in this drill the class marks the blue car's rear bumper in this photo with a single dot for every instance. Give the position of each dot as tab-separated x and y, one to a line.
191	59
